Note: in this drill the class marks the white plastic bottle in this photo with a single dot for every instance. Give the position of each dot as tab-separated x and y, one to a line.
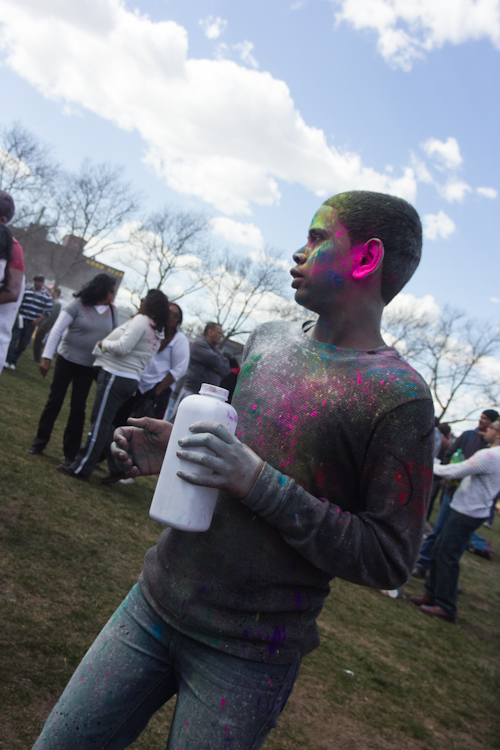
177	503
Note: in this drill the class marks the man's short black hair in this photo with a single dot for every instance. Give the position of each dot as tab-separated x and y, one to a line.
7	207
392	220
210	327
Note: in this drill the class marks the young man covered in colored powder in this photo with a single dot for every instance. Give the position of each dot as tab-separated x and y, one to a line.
329	475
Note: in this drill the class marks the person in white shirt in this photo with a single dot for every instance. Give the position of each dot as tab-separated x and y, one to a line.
163	370
122	357
469	508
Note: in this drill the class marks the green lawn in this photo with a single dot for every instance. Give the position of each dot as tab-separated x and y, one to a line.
71	551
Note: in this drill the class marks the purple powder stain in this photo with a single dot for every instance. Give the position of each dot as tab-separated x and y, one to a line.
223	702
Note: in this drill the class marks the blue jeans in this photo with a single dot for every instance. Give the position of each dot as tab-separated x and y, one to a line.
424	559
138	663
20	340
442	582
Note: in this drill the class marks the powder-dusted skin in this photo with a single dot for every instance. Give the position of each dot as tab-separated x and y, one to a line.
347	437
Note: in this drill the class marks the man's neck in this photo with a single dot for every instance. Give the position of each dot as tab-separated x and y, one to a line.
349	329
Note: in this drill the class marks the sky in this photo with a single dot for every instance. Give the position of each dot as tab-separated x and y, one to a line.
255	113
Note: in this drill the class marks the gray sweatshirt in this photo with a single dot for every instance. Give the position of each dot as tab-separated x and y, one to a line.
206	365
347	437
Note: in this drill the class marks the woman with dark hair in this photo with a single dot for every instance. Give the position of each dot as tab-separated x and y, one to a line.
165	368
82	323
122	357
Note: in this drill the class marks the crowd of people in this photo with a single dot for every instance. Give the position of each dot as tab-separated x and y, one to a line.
332	472
136	364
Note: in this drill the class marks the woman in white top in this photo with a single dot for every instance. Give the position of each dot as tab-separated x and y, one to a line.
165	368
122	357
86	320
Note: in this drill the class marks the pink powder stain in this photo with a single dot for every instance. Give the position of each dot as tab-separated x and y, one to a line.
324	402
239	434
223	702
339	234
82	679
382	381
271	682
186	723
254	407
314	414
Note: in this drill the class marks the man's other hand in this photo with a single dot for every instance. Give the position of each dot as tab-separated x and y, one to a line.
236	467
140	446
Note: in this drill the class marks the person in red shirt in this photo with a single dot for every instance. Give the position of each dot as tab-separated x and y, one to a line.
11	275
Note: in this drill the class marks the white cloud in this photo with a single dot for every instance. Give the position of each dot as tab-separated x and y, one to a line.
407	29
445	152
238	233
487	192
437	225
455	190
214	129
213	27
245	51
495	300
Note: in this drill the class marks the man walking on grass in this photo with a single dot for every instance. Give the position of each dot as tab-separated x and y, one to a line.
328	475
35	309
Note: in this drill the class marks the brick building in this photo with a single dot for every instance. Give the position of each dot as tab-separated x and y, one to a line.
63	265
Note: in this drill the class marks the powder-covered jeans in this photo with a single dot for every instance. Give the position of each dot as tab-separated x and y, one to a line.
138	663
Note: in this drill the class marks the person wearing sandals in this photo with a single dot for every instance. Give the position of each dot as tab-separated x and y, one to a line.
86	320
121	357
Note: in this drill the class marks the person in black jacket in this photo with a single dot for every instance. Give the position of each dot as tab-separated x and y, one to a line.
207	364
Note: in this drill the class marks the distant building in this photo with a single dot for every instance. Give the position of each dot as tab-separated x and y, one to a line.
65	264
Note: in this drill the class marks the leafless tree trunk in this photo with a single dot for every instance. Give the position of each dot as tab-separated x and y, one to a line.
451	352
29	173
91	205
236	288
168	242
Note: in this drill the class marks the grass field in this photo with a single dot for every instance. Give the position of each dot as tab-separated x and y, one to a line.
71	551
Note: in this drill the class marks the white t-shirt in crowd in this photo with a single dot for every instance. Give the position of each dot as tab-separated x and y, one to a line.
173	359
480	485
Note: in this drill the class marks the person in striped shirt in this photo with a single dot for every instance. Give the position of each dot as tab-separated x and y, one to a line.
35	308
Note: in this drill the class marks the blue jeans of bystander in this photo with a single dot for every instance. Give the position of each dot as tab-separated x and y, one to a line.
442	582
424	558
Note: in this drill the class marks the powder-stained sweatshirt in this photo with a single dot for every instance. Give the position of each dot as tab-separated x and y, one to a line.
347	437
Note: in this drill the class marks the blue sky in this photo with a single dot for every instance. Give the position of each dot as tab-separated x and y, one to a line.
255	112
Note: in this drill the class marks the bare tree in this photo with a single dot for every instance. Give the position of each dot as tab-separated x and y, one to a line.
168	242
236	288
91	206
29	173
450	351
286	309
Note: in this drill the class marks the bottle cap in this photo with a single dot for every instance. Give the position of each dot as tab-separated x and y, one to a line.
214	390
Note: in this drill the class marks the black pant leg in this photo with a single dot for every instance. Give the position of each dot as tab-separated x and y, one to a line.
83	378
38	343
112	392
63	374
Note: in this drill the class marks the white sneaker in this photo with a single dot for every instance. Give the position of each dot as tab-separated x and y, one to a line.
8	366
128	480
